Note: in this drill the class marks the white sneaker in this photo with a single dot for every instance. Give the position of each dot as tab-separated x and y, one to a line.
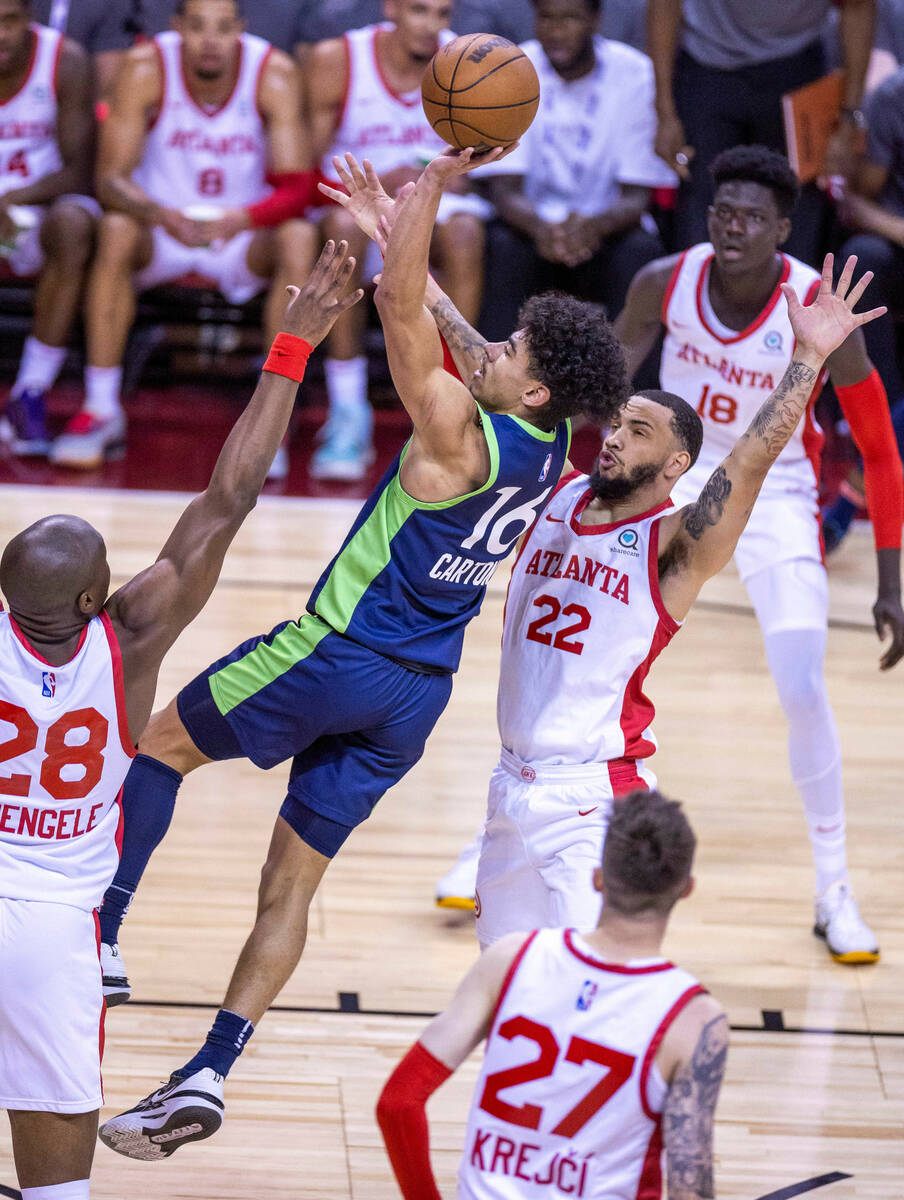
847	936
182	1110
458	887
88	440
346	450
115	981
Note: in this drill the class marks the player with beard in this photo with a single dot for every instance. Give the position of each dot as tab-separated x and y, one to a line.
602	583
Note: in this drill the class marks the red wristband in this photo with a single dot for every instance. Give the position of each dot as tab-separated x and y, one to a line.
288	356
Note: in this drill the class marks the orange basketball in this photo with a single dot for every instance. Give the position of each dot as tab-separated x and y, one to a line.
480	90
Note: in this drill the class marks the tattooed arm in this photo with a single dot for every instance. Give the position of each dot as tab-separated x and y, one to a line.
697	541
466	344
700	1048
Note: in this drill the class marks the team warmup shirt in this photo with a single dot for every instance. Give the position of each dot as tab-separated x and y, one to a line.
569	1100
28	120
195	156
726	375
410	575
584	619
64	754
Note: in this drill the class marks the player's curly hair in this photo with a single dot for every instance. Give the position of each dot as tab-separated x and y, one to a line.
759	164
573	350
648	854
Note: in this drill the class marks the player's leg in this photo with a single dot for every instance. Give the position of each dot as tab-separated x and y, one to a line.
124	247
346	446
791	603
53	1153
65	244
51	1011
335	783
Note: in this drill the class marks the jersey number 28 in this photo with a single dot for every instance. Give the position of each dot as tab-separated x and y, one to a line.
58	752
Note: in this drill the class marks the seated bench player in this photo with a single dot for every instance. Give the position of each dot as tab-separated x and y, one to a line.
203	168
47	220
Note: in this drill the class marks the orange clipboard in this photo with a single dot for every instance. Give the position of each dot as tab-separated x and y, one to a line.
811	117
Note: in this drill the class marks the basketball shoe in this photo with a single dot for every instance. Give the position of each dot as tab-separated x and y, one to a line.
116	985
847	936
458	886
26	430
346	449
88	440
184	1109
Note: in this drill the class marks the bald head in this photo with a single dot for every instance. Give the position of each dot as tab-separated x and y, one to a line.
56	568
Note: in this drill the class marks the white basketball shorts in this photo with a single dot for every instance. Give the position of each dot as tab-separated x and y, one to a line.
51	1008
784	524
543	840
225	264
27	259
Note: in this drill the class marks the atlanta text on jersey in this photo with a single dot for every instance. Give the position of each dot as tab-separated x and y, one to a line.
548	563
729	371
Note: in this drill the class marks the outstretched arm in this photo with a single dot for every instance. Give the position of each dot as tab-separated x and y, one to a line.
639	322
153	608
375	211
445	1044
698	540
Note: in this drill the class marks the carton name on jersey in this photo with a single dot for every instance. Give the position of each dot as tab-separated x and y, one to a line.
551	564
499	1155
197	141
455	568
727	370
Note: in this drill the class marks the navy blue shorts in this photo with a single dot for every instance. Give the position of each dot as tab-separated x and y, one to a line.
352	721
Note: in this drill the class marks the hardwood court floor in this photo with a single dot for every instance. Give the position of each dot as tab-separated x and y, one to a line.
797	1105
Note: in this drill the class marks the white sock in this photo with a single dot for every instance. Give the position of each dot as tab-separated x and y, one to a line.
346	384
77	1189
814	750
102	388
39	368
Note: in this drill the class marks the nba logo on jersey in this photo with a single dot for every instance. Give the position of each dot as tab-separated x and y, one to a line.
547	464
586	994
48	684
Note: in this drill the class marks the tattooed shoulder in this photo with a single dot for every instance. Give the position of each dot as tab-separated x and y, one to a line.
708	507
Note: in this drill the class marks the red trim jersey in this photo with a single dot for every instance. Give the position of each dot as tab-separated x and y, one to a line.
569	1099
193	155
584	621
28	120
64	755
377	122
726	375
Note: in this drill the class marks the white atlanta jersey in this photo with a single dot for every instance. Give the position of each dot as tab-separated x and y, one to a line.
569	1099
727	375
28	120
196	156
64	754
378	123
584	621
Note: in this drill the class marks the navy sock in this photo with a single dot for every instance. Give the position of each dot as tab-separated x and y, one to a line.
148	800
224	1044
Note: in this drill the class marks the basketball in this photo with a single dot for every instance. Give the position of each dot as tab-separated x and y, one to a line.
480	90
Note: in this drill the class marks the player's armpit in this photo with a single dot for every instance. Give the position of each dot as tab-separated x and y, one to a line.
689	1115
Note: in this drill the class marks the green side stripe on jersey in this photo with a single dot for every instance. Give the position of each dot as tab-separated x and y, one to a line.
370	550
239	680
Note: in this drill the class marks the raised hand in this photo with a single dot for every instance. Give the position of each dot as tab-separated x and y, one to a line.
367	199
314	308
822	326
451	163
